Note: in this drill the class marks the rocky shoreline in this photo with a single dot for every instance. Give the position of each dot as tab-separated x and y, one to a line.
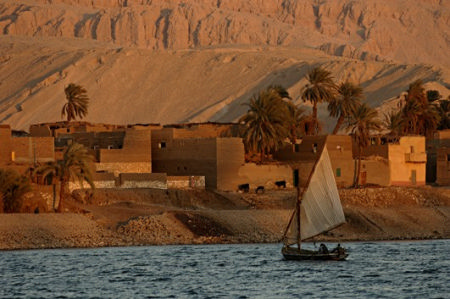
151	217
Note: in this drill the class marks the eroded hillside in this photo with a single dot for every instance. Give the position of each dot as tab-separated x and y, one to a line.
177	61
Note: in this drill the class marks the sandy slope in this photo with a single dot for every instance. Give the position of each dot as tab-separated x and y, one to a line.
171	61
143	86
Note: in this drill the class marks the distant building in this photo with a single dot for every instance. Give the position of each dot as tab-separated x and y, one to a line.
394	162
202	130
304	155
116	148
438	154
24	151
63	128
220	160
124	151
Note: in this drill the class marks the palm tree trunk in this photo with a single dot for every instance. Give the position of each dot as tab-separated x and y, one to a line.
338	124
54	195
354	171
62	193
359	167
315	122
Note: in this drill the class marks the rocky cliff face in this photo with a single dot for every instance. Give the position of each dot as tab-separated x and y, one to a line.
411	31
175	61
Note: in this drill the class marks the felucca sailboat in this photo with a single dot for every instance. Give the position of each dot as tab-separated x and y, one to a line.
318	209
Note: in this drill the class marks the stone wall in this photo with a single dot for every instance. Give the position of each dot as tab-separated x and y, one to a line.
340	151
443	166
105	180
218	159
143	180
40	131
32	149
304	154
92	140
379	150
100	184
198	130
185	157
407	161
56	129
124	167
135	155
263	175
441	139
375	171
186	182
5	145
230	158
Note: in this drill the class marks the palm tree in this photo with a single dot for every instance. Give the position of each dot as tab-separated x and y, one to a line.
77	102
295	120
75	165
362	123
416	91
430	120
349	97
393	121
320	87
265	122
410	116
420	116
444	113
307	126
12	188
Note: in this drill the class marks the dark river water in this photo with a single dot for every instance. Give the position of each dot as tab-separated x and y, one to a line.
373	270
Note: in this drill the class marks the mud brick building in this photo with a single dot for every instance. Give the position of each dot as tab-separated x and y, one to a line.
20	152
394	162
198	151
438	155
305	153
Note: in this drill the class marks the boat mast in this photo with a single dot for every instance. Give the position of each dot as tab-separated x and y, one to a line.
298	204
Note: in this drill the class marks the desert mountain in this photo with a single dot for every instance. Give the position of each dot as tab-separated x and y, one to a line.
167	61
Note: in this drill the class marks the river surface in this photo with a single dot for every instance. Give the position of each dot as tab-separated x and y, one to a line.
373	270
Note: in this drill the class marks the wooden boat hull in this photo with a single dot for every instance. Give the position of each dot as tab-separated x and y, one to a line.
290	253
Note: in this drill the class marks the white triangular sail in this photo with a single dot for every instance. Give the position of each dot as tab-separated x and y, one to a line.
321	208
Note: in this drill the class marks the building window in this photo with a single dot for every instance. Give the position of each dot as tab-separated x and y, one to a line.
338	172
314	148
162	144
412	149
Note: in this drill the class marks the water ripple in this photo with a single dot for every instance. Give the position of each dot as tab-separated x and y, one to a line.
374	269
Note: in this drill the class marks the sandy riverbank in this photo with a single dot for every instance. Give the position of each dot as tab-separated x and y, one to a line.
158	217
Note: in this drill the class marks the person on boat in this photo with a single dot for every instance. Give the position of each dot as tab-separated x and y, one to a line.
338	249
323	248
